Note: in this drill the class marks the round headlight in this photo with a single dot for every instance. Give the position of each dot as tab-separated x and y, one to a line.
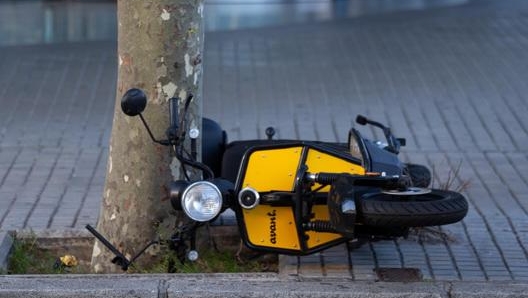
202	201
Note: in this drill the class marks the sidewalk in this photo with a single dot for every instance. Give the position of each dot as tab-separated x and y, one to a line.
451	80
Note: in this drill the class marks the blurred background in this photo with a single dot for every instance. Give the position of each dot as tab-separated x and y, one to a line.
24	22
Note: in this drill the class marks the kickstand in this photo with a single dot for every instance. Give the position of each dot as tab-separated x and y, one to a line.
119	259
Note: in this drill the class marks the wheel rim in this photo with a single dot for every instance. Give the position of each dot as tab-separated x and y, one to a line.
410	191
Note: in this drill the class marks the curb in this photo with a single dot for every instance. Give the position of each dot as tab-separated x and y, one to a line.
6	241
241	285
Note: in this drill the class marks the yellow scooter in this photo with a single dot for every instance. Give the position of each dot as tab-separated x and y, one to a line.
299	197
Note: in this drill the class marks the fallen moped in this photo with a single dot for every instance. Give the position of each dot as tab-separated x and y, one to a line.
297	197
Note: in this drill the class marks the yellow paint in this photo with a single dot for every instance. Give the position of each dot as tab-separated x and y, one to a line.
318	161
271	226
275	170
317	238
272	169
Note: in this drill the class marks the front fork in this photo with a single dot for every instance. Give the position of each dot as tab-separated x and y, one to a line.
178	242
342	198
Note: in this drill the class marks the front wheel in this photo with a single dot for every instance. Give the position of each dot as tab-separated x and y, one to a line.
438	207
420	175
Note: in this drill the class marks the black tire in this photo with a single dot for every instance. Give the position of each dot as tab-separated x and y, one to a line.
420	175
439	207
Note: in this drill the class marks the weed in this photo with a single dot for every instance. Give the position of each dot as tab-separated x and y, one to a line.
431	235
27	257
210	261
453	181
23	257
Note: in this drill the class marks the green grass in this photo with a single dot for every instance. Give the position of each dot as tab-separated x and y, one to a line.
26	257
211	261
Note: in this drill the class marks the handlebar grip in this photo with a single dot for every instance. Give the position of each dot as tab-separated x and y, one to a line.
326	178
173	112
389	182
362	120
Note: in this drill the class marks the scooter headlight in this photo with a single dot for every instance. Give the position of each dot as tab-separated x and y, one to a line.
202	201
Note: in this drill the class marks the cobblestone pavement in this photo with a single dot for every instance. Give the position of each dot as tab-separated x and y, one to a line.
452	80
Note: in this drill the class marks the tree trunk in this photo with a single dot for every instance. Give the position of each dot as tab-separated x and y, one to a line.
159	50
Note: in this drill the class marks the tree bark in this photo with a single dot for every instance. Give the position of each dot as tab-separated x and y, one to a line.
159	50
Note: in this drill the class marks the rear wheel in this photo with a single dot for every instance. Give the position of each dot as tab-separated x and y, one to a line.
438	207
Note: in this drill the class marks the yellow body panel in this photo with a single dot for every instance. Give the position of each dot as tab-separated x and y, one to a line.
318	161
317	238
275	170
271	226
272	169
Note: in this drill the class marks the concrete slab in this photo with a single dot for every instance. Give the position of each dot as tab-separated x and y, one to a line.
5	247
241	285
78	286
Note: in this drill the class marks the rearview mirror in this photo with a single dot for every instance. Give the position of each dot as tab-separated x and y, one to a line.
133	102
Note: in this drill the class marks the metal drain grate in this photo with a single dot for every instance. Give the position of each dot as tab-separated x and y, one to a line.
398	274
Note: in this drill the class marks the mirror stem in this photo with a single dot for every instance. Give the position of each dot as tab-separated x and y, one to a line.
163	142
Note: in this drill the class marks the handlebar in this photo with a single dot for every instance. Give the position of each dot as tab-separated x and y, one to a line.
360	119
371	179
173	113
173	132
393	143
134	102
